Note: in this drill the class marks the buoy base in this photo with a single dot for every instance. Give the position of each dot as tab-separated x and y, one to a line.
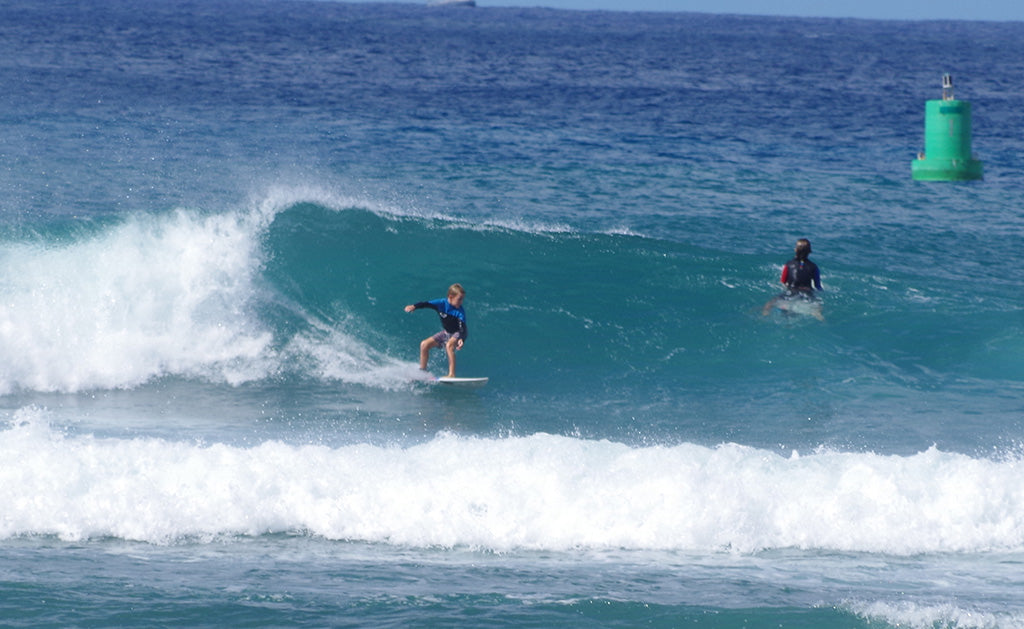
946	169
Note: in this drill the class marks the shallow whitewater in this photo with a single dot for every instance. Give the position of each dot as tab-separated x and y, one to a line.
541	492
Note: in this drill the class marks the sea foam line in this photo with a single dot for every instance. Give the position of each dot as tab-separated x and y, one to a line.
535	492
924	616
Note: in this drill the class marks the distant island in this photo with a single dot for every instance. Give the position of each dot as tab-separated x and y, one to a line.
451	3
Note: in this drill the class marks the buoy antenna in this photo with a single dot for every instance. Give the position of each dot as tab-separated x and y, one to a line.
947	87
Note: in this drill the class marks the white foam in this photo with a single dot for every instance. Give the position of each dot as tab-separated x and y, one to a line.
924	616
536	492
156	296
332	355
146	297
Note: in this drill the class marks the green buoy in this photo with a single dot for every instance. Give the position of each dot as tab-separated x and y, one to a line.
947	140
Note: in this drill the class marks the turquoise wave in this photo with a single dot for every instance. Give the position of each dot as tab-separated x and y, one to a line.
660	339
617	303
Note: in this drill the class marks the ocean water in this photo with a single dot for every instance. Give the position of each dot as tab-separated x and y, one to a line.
212	214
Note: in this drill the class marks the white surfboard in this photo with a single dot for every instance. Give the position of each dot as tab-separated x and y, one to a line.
462	382
806	307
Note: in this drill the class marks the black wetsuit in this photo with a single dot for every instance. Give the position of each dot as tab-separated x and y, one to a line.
801	277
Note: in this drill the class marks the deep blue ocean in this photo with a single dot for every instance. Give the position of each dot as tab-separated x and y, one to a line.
213	212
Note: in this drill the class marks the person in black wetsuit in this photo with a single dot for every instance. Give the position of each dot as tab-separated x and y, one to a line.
802	279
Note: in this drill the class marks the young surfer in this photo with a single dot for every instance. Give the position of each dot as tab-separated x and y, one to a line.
453	323
802	278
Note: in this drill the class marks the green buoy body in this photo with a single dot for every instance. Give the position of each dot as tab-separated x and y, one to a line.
947	140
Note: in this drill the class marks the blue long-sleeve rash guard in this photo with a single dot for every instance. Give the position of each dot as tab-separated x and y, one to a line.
453	319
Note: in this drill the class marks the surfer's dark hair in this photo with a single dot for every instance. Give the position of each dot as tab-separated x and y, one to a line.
803	248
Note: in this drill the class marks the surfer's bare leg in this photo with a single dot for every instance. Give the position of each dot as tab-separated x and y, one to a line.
452	345
425	346
767	310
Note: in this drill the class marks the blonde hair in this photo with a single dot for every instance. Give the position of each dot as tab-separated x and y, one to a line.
456	289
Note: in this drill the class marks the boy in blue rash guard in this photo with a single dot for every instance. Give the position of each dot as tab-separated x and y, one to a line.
453	323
